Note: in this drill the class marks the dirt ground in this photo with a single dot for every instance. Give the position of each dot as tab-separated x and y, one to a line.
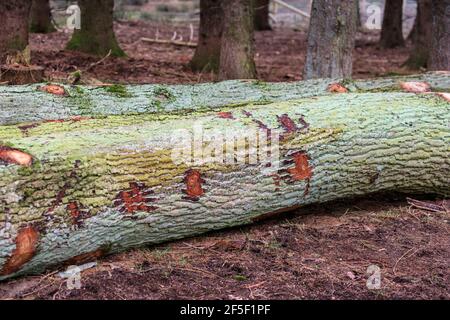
318	252
280	56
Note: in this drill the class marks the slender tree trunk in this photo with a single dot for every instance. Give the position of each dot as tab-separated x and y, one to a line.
358	14
41	17
237	45
262	15
96	35
87	185
439	58
392	28
331	39
207	53
421	37
14	27
412	34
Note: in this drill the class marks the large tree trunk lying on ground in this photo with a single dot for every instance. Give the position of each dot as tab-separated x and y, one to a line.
98	170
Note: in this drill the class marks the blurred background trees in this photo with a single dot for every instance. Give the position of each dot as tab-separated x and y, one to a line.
225	40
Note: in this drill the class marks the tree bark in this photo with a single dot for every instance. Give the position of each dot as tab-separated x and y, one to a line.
392	28
96	35
261	18
421	37
331	39
103	178
41	17
439	58
237	44
207	53
14	27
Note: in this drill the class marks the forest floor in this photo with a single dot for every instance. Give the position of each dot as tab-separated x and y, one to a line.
326	251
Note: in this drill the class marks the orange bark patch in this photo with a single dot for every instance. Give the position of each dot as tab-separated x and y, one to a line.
26	244
15	156
337	88
135	199
193	180
225	115
444	95
415	87
54	89
301	170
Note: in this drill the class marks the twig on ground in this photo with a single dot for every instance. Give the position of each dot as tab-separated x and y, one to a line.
92	65
174	42
428	206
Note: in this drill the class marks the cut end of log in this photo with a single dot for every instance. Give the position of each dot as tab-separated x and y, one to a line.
416	87
26	244
54	89
15	156
337	88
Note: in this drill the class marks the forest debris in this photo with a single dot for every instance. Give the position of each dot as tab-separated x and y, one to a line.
430	206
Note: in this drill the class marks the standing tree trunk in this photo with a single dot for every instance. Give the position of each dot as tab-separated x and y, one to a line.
96	35
14	27
261	17
440	40
331	39
392	28
421	36
237	45
41	17
207	53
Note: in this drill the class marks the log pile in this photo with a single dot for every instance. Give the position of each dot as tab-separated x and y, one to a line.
88	171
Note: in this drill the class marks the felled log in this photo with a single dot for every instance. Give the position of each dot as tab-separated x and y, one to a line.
90	171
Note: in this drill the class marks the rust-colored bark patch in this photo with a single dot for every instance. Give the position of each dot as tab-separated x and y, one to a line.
337	88
54	89
26	244
24	128
415	86
287	123
301	170
71	119
225	115
135	199
15	156
194	181
77	213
